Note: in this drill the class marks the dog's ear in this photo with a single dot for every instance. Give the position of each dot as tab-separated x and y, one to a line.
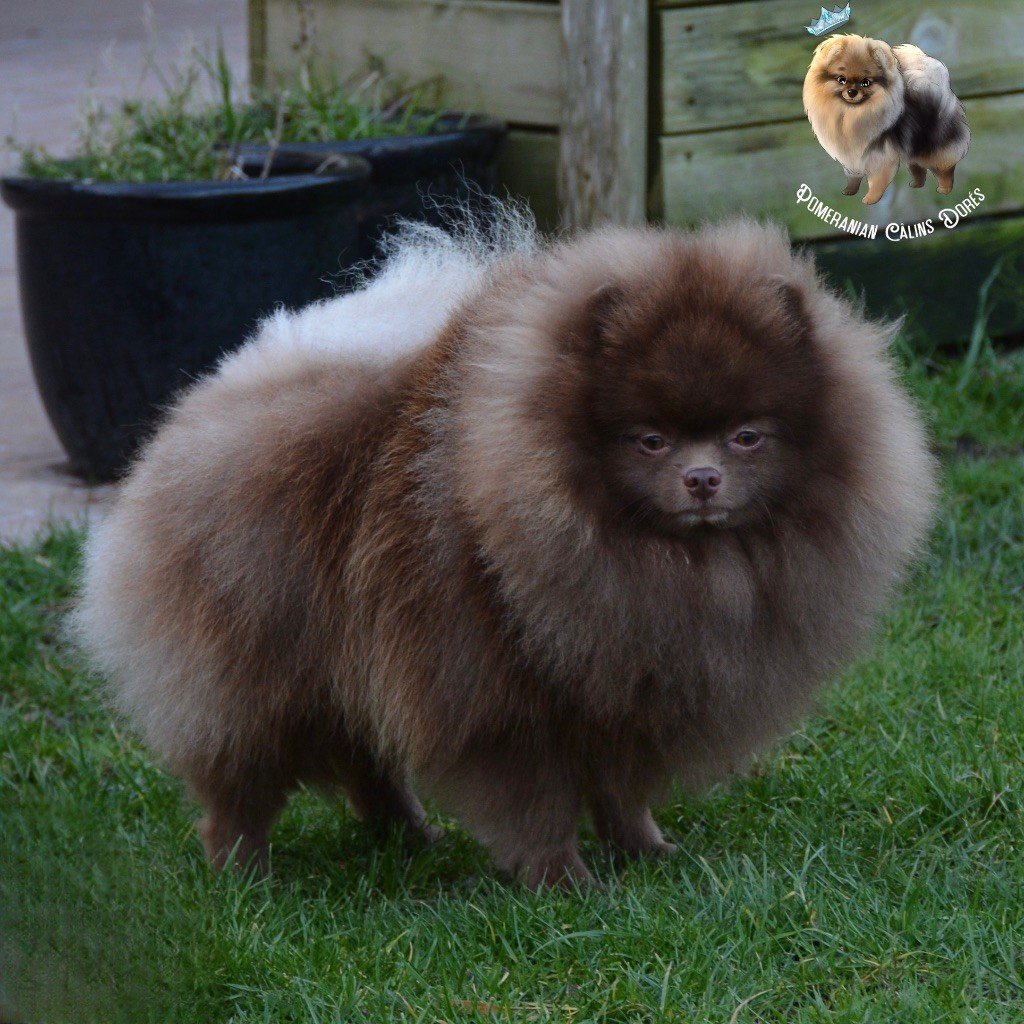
830	48
790	301
882	53
589	330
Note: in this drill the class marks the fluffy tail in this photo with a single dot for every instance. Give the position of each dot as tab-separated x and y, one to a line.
478	231
400	301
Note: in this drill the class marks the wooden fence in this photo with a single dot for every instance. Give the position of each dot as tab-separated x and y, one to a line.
683	111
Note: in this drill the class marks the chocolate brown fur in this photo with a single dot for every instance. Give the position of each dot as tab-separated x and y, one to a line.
456	566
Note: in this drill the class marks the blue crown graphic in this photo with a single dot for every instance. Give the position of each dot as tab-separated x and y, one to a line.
829	20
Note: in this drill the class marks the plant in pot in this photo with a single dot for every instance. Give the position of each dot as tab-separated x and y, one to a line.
179	222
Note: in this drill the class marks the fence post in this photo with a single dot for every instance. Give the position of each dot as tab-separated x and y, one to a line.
602	167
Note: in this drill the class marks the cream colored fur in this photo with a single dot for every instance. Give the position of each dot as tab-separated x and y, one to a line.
846	133
850	134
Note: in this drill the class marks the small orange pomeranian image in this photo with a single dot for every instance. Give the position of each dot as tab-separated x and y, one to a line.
874	106
533	528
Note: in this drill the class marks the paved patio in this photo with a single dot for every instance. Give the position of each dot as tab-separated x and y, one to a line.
49	51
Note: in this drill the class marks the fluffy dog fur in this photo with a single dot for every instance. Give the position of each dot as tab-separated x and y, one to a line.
873	106
443	531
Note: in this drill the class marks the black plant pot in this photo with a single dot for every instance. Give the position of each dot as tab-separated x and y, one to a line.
414	176
128	291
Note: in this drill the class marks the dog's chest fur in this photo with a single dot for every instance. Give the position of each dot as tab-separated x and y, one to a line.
848	133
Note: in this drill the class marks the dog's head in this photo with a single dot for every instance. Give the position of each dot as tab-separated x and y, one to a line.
855	71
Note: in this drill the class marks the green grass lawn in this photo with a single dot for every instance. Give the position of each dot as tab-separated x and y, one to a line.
869	870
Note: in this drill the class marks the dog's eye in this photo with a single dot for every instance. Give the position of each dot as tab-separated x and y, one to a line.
866	83
842	80
747	439
653	443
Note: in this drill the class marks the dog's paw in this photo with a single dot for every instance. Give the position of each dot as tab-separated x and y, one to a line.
559	869
430	834
869	201
944	190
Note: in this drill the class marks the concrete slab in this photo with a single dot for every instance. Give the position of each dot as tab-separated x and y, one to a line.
50	51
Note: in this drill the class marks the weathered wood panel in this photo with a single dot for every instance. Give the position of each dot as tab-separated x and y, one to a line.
257	29
744	63
528	168
603	157
500	57
935	281
757	170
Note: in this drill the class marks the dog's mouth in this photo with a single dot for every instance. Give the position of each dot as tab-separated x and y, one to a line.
705	515
854	97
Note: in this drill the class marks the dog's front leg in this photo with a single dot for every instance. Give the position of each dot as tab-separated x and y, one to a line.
524	808
879	179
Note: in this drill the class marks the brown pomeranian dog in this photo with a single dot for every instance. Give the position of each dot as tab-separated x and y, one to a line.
873	106
537	529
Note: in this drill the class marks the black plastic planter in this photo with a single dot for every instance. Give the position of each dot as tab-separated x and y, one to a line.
130	290
414	176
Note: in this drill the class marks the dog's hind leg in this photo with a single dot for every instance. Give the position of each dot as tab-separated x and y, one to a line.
238	819
917	176
945	180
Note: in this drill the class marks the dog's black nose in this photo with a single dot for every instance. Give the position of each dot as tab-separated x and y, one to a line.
852	93
702	482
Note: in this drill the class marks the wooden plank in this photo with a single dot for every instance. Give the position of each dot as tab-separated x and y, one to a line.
744	63
499	57
528	169
690	3
757	171
257	27
935	281
603	157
